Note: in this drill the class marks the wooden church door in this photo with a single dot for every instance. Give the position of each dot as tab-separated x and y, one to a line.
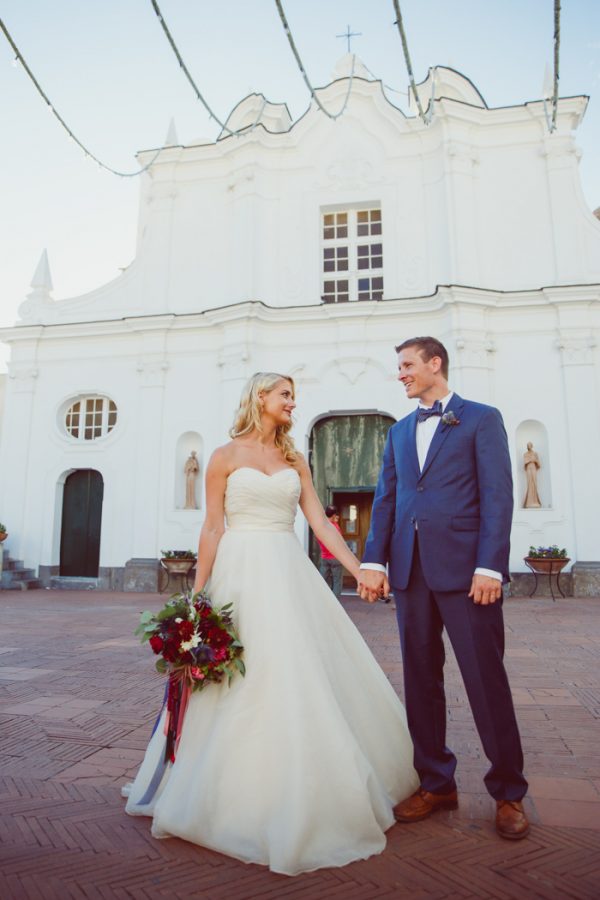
81	523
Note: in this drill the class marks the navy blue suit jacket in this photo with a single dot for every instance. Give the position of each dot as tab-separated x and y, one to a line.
462	501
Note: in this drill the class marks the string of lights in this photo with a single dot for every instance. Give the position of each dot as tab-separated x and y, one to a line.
20	59
551	120
196	89
411	77
388	87
311	89
186	72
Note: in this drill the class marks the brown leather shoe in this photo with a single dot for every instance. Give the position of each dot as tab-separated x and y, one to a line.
511	821
422	804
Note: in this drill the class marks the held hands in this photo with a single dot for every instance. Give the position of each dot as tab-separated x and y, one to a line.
485	590
372	585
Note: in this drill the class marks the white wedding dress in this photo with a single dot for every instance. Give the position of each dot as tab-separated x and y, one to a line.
298	765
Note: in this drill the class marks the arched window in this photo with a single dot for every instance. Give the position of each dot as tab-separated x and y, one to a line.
88	418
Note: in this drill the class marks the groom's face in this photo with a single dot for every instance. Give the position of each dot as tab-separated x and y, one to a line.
416	374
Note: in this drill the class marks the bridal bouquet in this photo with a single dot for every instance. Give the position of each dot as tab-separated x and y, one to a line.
196	645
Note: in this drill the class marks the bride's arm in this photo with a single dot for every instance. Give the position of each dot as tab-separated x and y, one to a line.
323	529
214	523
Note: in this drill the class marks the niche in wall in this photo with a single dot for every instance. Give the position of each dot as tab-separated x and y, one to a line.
189	441
533	432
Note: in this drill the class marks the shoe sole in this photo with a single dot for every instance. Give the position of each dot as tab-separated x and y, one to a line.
453	804
513	837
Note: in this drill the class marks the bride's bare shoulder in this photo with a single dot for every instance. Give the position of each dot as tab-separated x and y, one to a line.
301	464
222	457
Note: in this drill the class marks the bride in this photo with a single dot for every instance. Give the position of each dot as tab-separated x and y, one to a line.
299	764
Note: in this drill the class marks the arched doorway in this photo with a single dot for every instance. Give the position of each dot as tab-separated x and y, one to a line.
345	459
81	523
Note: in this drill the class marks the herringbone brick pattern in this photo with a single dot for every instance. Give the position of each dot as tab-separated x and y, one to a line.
77	703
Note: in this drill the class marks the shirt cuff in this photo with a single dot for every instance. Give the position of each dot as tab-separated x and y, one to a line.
374	567
489	572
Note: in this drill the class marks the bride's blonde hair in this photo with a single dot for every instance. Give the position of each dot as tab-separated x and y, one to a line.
247	417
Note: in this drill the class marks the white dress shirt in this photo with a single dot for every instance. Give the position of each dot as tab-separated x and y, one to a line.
425	433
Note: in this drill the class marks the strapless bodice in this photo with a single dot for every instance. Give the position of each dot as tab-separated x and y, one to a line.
258	502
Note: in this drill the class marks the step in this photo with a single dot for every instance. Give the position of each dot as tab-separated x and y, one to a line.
73	583
27	584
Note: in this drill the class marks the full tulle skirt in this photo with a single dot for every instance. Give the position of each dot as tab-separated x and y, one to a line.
298	764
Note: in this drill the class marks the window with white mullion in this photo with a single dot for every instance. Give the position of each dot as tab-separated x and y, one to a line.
352	255
90	417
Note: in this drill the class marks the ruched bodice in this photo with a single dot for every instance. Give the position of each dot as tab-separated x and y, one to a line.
258	502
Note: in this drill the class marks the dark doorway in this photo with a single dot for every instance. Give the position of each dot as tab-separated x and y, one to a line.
355	518
345	458
81	523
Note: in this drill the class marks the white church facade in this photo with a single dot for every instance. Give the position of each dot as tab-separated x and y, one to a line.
312	248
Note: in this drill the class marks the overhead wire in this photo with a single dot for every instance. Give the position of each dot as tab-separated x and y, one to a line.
20	58
426	119
551	120
311	89
199	95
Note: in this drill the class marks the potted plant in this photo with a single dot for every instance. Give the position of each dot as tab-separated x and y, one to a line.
3	532
178	562
547	560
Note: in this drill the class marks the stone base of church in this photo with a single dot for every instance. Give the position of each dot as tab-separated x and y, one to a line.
586	579
138	575
582	581
523	584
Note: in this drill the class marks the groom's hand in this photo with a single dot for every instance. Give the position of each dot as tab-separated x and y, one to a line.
371	584
485	590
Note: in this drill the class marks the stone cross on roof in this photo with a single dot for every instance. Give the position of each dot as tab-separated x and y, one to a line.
348	35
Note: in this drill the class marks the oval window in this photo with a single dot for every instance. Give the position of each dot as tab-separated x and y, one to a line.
89	418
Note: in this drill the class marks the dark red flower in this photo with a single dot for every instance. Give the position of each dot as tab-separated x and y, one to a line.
157	643
186	630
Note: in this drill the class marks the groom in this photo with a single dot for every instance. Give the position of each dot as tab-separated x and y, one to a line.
441	522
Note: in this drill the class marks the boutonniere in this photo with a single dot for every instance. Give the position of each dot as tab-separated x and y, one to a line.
450	419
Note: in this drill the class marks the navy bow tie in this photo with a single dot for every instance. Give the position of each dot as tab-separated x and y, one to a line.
424	414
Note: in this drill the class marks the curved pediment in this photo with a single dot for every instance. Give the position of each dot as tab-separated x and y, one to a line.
255	110
443	81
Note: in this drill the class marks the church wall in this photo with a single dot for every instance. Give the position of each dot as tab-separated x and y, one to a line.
483	198
170	377
2	393
227	280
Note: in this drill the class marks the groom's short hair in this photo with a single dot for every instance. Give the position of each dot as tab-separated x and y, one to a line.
428	347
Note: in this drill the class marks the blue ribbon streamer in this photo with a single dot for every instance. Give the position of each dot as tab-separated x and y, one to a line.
162	763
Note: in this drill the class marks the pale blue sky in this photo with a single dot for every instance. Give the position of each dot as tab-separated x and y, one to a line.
111	74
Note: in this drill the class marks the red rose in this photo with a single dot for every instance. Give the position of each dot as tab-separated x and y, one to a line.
156	642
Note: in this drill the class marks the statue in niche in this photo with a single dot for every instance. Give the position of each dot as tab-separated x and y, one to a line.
531	464
191	469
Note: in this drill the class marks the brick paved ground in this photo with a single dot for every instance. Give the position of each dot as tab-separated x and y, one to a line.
77	700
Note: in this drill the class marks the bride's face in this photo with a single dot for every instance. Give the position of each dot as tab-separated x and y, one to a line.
278	404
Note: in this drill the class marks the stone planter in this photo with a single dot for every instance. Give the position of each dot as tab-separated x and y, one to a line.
546	566
550	566
179	569
178	566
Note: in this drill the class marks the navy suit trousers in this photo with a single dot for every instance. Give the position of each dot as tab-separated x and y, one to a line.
477	636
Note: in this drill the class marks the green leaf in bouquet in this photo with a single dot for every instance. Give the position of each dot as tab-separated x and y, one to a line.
147	635
162	666
239	664
171	612
145	619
